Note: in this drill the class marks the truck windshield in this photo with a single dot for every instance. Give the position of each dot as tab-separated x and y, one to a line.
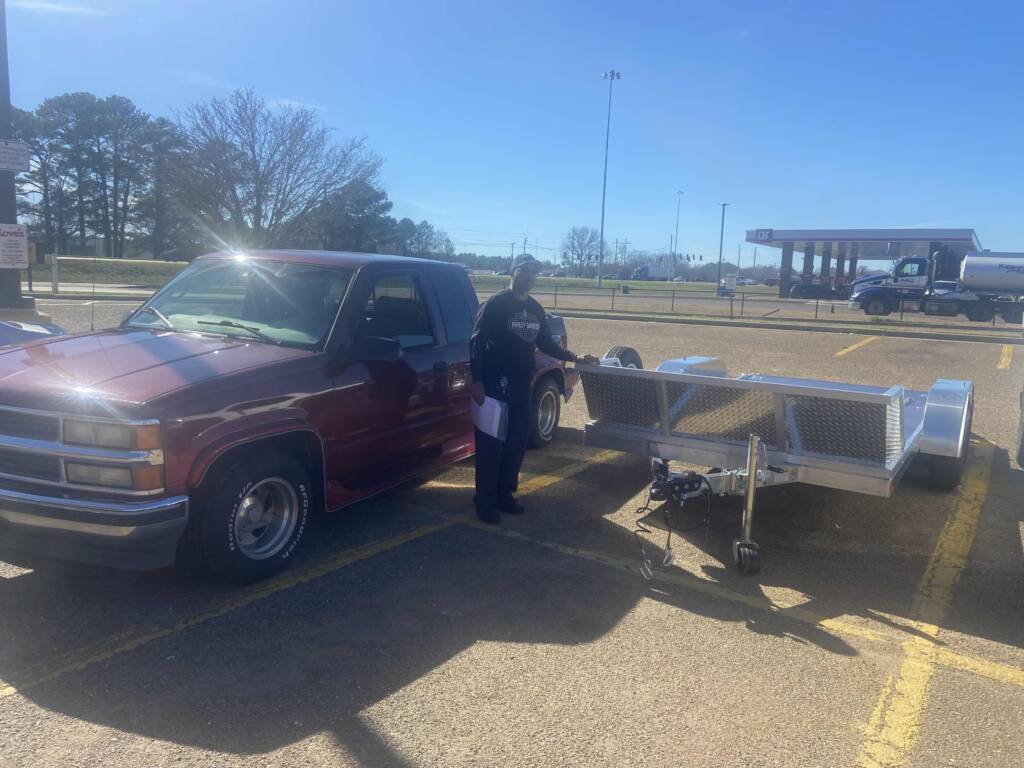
275	302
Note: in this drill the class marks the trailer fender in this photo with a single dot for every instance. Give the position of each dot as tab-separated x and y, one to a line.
946	418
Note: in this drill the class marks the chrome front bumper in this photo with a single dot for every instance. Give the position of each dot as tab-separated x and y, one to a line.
130	534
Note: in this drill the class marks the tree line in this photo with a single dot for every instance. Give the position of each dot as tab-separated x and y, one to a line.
233	172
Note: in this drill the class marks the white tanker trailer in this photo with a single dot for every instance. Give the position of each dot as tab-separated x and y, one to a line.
991	284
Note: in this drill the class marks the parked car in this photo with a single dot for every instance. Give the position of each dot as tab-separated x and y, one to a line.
16	332
771	281
678	279
246	394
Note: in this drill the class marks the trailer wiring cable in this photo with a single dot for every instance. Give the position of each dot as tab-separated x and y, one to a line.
646	509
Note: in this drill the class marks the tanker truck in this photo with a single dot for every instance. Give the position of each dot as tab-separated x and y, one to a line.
990	284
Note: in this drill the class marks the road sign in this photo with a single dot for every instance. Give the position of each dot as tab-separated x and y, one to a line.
13	247
13	156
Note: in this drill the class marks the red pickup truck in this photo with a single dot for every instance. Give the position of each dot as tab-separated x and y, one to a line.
250	391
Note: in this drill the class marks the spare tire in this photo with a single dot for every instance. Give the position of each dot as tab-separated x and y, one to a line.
627	357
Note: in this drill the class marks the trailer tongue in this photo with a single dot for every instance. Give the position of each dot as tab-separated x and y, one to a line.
758	431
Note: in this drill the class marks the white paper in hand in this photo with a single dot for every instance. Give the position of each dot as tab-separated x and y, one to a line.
491	418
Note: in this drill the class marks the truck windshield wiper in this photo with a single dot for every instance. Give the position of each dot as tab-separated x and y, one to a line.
157	314
232	324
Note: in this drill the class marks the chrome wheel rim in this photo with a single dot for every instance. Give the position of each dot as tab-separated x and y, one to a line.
547	413
266	518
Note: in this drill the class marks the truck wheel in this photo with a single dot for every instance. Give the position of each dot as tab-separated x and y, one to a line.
547	408
980	313
251	518
876	306
1013	316
946	472
627	357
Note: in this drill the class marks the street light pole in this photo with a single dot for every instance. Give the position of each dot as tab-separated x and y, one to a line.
675	248
611	76
10	279
721	234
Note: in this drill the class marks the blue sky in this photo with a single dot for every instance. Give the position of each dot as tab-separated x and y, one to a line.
490	115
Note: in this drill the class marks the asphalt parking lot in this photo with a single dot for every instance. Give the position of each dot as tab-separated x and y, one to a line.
880	632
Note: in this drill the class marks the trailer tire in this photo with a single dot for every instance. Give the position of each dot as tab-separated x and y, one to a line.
946	472
546	410
627	357
876	305
980	312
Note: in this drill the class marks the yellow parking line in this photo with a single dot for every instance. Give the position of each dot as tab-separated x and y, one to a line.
858	345
891	732
1006	358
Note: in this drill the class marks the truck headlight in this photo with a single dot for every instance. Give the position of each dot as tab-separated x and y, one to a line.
100	434
148	478
92	474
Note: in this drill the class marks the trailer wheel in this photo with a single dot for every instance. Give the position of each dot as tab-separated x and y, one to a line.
547	408
980	312
748	559
876	305
946	472
627	356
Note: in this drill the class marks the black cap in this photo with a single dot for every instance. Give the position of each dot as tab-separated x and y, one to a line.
526	261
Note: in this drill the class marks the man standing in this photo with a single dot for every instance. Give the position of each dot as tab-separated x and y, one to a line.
510	326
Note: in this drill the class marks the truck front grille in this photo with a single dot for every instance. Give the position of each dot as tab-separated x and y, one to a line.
33	426
37	466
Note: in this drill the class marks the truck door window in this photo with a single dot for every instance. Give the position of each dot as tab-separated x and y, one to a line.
395	309
912	269
451	295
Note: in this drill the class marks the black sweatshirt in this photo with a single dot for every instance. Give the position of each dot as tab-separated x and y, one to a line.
506	334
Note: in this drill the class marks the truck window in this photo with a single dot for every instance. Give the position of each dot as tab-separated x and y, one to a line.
395	309
455	310
912	269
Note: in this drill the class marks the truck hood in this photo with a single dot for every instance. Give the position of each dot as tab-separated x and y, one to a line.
129	365
866	282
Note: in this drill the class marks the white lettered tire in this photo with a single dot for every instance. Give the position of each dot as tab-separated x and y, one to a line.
251	518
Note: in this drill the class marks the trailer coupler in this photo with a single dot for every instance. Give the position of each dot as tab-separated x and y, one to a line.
679	487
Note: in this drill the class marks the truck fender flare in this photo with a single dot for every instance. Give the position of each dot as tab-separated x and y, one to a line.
209	455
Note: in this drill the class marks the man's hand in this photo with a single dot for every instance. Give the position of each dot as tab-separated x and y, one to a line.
587	360
478	392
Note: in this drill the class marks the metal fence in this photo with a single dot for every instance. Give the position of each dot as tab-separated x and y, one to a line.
740	305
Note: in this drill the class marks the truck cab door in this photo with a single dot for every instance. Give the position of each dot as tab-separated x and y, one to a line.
391	415
911	275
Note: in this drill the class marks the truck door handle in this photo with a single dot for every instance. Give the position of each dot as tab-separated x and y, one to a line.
440	366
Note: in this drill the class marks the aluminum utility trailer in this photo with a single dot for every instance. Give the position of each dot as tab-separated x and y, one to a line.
776	429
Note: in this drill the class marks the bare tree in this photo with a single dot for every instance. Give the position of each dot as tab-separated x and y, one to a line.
259	173
582	246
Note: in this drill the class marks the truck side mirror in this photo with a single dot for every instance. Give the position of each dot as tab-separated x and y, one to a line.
375	349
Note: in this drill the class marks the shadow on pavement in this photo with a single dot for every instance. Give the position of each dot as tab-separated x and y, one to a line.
314	658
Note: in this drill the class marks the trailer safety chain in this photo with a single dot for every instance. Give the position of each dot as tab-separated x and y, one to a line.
645	562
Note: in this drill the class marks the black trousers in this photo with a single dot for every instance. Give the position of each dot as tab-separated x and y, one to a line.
497	462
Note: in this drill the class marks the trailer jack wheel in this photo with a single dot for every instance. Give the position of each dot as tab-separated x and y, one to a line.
747	556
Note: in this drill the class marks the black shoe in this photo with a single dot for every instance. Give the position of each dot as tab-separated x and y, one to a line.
512	507
489	516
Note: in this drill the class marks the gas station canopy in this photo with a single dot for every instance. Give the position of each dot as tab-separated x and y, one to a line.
855	244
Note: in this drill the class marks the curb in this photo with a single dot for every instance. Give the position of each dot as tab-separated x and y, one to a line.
89	297
891	332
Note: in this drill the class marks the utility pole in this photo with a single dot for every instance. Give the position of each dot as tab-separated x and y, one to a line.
675	240
755	257
738	257
611	76
10	279
721	234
